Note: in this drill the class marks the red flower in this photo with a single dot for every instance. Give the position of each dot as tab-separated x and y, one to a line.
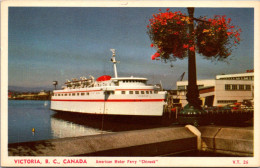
185	45
229	33
192	48
167	9
155	56
152	45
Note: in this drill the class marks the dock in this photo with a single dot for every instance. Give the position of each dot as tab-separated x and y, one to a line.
164	141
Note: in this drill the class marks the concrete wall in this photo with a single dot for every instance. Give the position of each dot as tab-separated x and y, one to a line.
150	142
165	141
237	141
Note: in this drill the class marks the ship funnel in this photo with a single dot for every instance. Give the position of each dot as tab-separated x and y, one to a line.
113	59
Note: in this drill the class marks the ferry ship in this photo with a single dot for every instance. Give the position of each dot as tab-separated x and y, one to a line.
124	96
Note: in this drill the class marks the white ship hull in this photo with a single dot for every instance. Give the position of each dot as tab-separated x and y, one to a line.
117	104
111	108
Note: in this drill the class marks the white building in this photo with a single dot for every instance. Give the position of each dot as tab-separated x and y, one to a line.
225	89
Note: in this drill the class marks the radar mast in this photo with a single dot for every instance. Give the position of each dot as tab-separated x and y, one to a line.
113	59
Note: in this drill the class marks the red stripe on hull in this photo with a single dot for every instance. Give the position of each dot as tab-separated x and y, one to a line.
112	100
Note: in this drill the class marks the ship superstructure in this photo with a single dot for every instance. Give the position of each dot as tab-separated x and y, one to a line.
110	96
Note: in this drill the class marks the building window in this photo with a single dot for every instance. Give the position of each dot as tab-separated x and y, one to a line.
123	92
73	94
58	94
87	93
116	83
142	92
182	87
241	87
136	92
248	87
226	101
77	94
151	92
234	87
131	92
65	94
147	92
200	86
82	94
227	87
156	92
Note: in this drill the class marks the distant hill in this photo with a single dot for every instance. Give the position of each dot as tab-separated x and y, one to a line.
29	89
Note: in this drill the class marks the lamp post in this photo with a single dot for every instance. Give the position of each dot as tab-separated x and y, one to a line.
192	113
192	90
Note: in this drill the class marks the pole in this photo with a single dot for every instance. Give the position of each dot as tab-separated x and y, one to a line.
192	95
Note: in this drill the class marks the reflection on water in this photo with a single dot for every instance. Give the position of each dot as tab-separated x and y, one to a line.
24	116
76	124
63	128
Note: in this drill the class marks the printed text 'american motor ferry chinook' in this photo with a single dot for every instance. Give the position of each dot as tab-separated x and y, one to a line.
110	96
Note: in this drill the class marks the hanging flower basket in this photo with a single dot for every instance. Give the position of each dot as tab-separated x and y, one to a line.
168	33
209	49
215	37
212	38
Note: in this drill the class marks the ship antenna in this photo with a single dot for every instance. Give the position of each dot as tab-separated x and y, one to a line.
113	59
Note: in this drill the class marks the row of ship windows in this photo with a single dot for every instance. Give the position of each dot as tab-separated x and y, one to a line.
237	87
133	81
108	92
139	92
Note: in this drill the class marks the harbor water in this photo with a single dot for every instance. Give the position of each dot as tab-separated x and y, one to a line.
31	120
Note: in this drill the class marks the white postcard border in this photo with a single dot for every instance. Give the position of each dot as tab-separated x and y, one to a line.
91	161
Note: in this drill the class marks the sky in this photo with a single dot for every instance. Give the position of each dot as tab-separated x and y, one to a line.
59	43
